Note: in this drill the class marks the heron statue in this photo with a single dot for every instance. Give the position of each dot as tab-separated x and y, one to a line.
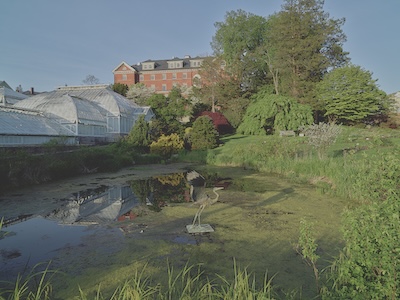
199	195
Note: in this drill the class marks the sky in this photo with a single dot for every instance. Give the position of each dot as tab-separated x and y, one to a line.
45	44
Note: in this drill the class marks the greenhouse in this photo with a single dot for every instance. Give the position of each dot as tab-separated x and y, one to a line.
94	114
23	128
121	112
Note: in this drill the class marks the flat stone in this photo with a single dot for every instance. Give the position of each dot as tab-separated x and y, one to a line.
203	228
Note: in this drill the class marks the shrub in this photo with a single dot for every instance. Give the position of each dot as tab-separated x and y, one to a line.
167	145
203	134
321	136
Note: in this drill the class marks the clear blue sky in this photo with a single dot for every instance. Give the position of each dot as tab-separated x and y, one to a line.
46	43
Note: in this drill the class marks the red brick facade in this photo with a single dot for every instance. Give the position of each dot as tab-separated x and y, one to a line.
160	75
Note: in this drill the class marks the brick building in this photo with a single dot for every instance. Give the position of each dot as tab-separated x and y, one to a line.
160	75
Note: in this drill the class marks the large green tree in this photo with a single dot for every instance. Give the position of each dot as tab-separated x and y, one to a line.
350	95
269	112
304	42
235	40
169	112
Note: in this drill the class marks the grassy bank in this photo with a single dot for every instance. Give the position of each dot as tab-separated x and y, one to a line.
359	166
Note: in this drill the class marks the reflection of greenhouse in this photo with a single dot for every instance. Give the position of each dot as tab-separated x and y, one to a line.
98	207
82	114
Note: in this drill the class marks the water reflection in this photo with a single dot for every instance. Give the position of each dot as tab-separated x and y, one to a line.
35	231
106	204
98	207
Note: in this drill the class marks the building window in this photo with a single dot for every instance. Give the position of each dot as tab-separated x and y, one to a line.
141	78
184	75
153	77
164	87
173	75
164	76
124	77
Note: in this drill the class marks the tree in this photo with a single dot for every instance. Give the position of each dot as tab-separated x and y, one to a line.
213	77
139	136
350	95
220	89
203	134
139	93
269	112
120	88
306	43
236	39
168	115
91	80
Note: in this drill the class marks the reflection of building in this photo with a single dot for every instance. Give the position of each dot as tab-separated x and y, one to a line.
160	75
98	207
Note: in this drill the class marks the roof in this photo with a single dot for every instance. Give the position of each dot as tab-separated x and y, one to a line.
18	122
4	84
9	96
125	64
162	64
104	96
66	107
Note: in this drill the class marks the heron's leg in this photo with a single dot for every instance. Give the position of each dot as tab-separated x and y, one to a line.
200	211
196	216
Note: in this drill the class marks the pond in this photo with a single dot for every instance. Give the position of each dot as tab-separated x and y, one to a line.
105	230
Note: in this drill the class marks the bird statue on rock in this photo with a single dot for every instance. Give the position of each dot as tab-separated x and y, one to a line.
199	195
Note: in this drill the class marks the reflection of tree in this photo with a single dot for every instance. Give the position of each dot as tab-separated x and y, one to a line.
142	189
158	191
170	188
171	179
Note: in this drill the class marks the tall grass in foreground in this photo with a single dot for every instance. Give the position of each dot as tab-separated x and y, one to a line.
187	283
35	286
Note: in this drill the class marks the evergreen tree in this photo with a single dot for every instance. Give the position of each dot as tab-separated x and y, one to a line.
203	134
306	44
139	135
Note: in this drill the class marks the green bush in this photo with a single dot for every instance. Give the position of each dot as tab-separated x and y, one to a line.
167	145
203	134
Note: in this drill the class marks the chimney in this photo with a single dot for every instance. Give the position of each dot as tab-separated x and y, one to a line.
32	91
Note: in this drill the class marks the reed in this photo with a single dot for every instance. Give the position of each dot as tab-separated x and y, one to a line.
35	286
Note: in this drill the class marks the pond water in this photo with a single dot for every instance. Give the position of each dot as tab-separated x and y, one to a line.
105	232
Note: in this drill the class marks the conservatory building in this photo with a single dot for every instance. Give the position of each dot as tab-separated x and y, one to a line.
92	114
